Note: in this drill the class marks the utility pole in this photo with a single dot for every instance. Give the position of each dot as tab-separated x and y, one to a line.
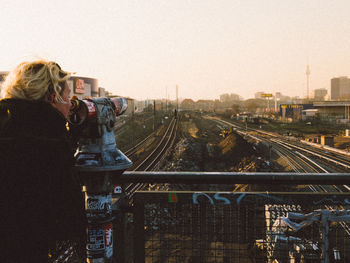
177	98
154	115
133	125
166	100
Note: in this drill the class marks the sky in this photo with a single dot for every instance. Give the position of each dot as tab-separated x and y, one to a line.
143	49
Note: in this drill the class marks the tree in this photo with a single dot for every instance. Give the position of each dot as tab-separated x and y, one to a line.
236	108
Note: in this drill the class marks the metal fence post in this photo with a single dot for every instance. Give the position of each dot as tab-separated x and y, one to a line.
139	235
118	236
325	230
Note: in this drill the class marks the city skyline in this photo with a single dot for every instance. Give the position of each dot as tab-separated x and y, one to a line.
143	49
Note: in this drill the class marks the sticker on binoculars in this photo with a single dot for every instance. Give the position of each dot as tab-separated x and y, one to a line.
101	239
117	189
89	159
108	240
96	239
99	203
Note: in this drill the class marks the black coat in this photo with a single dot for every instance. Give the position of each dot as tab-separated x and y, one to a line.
41	200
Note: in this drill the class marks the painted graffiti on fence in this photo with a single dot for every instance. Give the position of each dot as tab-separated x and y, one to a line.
223	198
198	194
226	198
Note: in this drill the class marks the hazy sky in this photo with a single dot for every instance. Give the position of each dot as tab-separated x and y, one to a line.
207	47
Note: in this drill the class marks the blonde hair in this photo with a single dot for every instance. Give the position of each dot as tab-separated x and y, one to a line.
35	81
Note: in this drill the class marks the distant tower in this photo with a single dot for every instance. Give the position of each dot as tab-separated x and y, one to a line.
307	80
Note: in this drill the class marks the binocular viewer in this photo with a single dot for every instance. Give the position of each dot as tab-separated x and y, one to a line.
88	109
93	121
97	160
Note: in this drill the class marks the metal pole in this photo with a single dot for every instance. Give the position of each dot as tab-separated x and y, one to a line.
177	98
154	115
325	230
98	206
268	104
132	128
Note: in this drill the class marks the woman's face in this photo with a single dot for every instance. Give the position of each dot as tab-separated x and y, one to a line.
64	108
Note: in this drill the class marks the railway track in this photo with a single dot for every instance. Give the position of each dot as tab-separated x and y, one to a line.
332	162
154	158
135	148
295	154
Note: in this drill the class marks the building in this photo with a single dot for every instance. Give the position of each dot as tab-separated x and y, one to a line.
187	104
229	97
320	94
224	97
84	87
257	95
234	97
293	111
340	88
308	114
102	92
333	111
3	75
140	105
204	105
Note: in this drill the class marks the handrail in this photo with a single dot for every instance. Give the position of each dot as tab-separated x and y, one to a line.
231	178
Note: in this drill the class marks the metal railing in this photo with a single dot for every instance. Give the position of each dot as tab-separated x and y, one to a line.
218	226
232	178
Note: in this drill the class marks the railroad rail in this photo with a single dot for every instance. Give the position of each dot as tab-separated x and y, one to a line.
153	159
300	163
338	162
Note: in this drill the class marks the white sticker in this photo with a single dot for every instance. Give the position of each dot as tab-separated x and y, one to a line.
117	189
99	203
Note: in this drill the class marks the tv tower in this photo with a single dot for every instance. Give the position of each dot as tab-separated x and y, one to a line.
307	79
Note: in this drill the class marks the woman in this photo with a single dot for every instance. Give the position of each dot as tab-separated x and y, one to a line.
42	201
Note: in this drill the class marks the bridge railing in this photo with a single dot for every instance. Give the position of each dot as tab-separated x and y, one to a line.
225	226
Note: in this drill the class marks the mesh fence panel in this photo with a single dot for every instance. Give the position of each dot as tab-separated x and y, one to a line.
236	227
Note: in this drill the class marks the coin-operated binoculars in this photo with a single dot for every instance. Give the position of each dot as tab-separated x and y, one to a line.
97	159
